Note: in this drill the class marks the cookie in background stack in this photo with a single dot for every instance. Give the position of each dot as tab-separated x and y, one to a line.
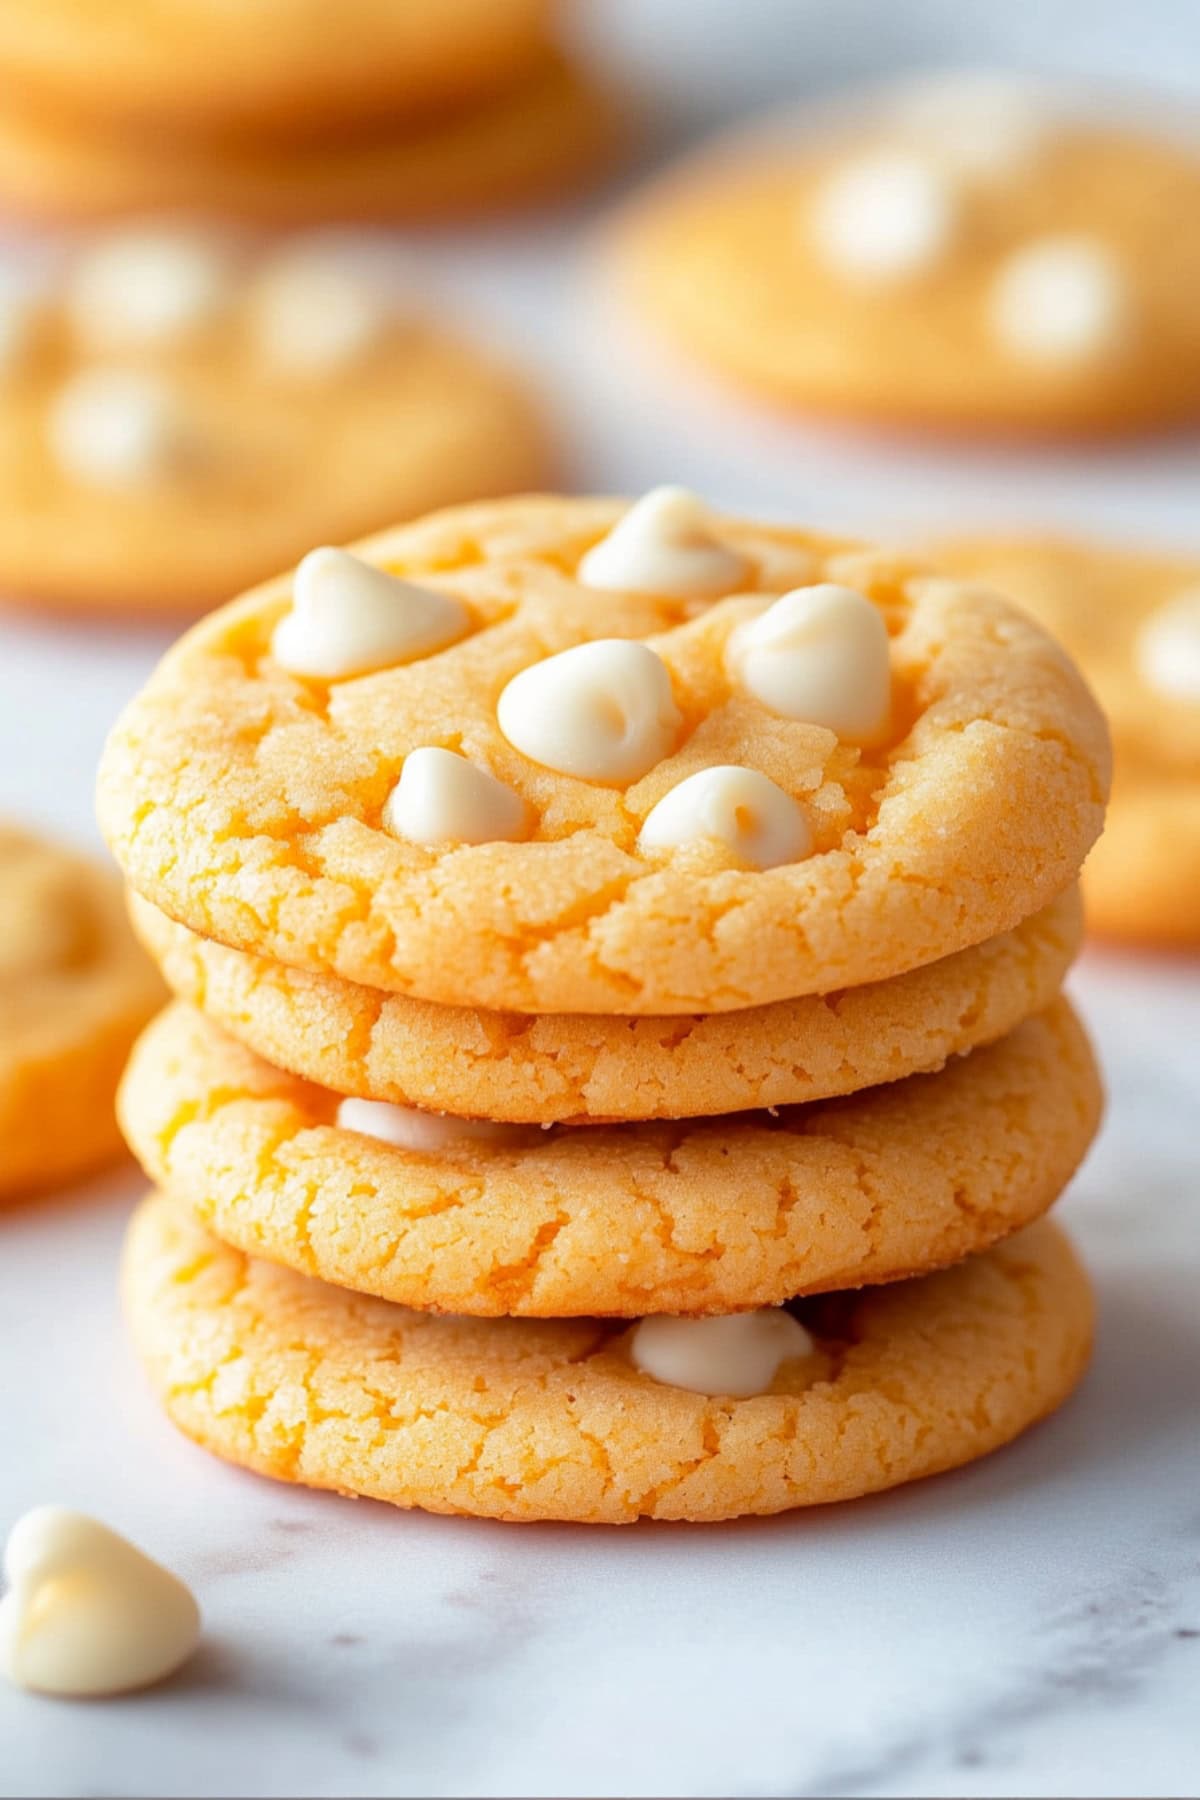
179	408
352	112
629	824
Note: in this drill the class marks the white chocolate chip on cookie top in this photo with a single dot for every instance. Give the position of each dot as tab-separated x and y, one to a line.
86	1613
442	798
1060	301
313	315
603	711
145	289
121	429
819	653
884	217
738	1355
1168	649
740	808
348	618
665	544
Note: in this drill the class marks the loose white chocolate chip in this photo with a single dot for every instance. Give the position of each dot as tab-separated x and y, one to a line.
980	127
441	798
348	617
120	429
603	711
738	1355
741	808
819	654
313	315
1060	301
664	544
86	1613
884	217
1168	649
143	289
408	1128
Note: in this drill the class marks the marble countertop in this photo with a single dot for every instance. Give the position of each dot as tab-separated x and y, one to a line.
1030	1626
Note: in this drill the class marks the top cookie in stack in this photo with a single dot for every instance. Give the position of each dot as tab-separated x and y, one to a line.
550	812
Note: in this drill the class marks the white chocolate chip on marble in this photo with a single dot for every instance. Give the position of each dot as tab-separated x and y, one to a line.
738	1355
409	1128
741	808
603	711
664	544
819	654
442	798
884	217
313	315
348	618
1168	649
1060	301
980	127
120	429
143	289
86	1613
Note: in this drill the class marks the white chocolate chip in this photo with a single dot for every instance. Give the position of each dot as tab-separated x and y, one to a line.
738	1355
980	127
1168	649
86	1613
408	1128
147	288
603	711
441	798
740	808
348	617
884	217
120	428
664	544
313	315
1060	301
819	654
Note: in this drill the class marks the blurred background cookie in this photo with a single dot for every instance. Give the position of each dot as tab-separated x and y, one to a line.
75	990
1132	620
180	415
961	255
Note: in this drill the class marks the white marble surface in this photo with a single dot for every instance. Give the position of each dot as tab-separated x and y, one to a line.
1030	1626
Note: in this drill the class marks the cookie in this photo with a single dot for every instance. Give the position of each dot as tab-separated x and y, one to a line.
503	780
520	1419
969	260
693	1216
295	70
75	989
179	414
531	142
567	1067
1133	620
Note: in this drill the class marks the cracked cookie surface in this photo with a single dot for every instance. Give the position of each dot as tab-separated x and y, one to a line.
621	1220
75	989
248	803
1142	879
566	1067
520	1419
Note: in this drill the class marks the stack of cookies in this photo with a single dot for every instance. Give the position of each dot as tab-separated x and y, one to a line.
618	1066
294	113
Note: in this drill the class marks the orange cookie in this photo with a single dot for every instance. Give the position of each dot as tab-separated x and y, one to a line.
520	1419
568	756
580	1066
964	257
533	141
694	1216
1132	618
75	989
